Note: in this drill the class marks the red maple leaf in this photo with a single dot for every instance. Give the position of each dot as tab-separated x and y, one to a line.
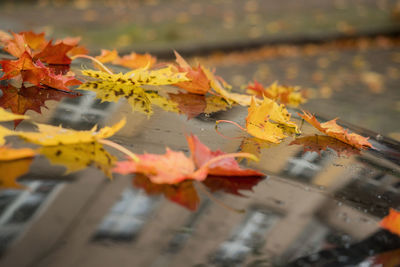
20	100
182	193
35	73
17	46
54	54
201	154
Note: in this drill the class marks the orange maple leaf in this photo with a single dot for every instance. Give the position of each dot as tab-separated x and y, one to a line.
170	168
199	82
135	61
17	46
392	222
54	54
332	129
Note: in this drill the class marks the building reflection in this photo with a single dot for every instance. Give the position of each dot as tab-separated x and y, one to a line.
308	203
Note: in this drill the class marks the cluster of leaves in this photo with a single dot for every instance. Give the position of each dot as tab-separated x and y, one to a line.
190	89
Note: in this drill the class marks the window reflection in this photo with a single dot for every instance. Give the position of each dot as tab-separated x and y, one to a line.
248	237
18	207
305	165
127	216
82	112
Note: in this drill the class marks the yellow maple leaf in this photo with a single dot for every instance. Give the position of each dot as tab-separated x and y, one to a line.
76	157
49	135
8	116
269	121
113	87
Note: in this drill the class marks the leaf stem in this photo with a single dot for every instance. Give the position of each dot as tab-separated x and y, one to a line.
119	148
217	201
94	60
231	122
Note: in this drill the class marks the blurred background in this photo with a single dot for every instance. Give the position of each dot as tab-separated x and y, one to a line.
344	53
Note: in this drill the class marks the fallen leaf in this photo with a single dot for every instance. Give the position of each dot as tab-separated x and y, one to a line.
269	121
182	193
49	135
332	129
20	100
17	45
201	154
232	185
287	95
216	103
135	61
107	56
130	85
198	82
54	54
35	73
391	222
76	157
170	168
318	143
35	41
254	145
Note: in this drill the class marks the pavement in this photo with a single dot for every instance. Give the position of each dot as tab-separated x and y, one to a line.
287	41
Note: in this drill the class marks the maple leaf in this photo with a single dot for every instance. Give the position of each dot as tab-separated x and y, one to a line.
269	121
174	167
17	45
107	56
76	48
332	129
35	41
35	73
284	94
13	164
112	87
135	61
7	116
182	193
76	157
391	222
232	185
198	82
54	54
20	100
318	143
201	154
49	135
170	168
189	104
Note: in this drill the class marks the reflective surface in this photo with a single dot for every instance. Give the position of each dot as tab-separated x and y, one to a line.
310	210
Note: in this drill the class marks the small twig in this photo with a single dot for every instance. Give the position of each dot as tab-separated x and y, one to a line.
94	60
119	148
217	201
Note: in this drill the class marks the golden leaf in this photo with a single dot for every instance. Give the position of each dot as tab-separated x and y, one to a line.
11	170
269	121
76	157
49	135
7	153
